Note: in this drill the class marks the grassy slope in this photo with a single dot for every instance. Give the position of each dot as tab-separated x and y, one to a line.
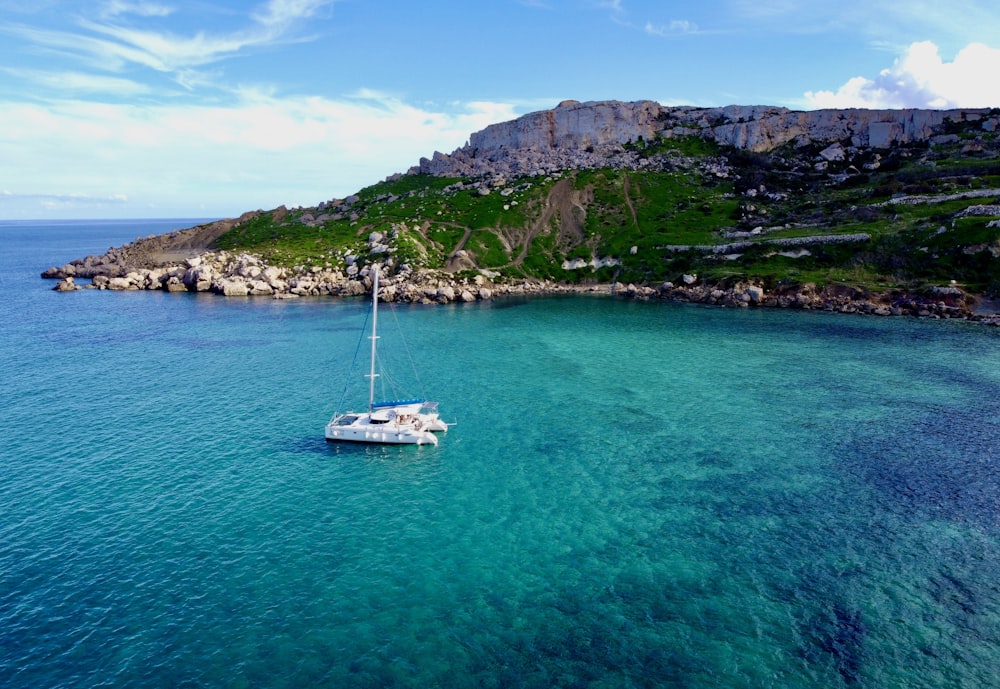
531	226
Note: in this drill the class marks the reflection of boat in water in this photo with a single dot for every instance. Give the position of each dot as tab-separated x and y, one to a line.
409	421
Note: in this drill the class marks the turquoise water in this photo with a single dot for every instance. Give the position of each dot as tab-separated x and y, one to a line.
634	495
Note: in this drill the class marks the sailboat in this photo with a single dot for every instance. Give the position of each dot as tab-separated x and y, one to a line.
392	422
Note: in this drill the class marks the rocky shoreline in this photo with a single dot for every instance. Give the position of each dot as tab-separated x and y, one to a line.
246	275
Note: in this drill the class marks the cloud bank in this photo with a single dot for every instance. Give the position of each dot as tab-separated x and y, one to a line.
292	150
920	78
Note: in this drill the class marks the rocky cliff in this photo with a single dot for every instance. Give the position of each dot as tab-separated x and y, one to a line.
589	135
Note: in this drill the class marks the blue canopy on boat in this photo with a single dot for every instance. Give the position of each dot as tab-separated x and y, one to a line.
396	403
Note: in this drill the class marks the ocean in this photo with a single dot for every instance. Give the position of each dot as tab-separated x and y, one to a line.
634	494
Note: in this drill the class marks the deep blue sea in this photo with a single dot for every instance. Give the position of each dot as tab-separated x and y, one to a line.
634	495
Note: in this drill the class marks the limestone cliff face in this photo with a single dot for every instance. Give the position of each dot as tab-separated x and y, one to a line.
591	134
763	131
573	125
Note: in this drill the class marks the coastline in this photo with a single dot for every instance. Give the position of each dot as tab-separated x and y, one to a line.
247	275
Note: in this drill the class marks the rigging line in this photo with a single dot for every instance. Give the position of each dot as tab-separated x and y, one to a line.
354	362
406	348
388	384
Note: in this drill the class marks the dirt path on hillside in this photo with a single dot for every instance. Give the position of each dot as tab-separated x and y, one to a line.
628	199
459	261
570	205
174	247
182	244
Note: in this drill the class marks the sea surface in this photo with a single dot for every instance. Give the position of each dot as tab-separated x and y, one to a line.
634	494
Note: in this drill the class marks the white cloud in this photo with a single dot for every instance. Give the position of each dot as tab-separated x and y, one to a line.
114	8
281	13
921	79
178	160
676	27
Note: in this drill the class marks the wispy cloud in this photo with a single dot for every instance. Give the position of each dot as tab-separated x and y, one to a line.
79	82
108	41
56	200
620	15
920	78
114	8
613	5
162	51
676	27
279	14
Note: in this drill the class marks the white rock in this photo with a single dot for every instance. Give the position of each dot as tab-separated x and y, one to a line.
174	284
233	288
121	284
261	288
833	153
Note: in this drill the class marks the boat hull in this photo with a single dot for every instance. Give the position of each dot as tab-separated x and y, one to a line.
363	431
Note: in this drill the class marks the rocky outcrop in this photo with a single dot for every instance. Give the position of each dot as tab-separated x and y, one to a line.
148	252
573	125
248	275
589	135
938	302
67	284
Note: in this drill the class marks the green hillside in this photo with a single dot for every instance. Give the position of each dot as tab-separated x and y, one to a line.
910	216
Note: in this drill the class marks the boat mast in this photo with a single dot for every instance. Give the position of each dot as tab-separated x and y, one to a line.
374	337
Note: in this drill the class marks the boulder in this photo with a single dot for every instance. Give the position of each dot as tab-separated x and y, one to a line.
260	288
200	277
272	275
834	153
232	288
302	286
154	279
174	284
353	288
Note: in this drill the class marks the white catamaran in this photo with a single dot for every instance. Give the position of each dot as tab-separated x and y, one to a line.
411	421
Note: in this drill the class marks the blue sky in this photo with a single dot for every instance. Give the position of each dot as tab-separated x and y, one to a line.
209	108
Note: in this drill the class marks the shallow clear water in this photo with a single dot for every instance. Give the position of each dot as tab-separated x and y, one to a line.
635	494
